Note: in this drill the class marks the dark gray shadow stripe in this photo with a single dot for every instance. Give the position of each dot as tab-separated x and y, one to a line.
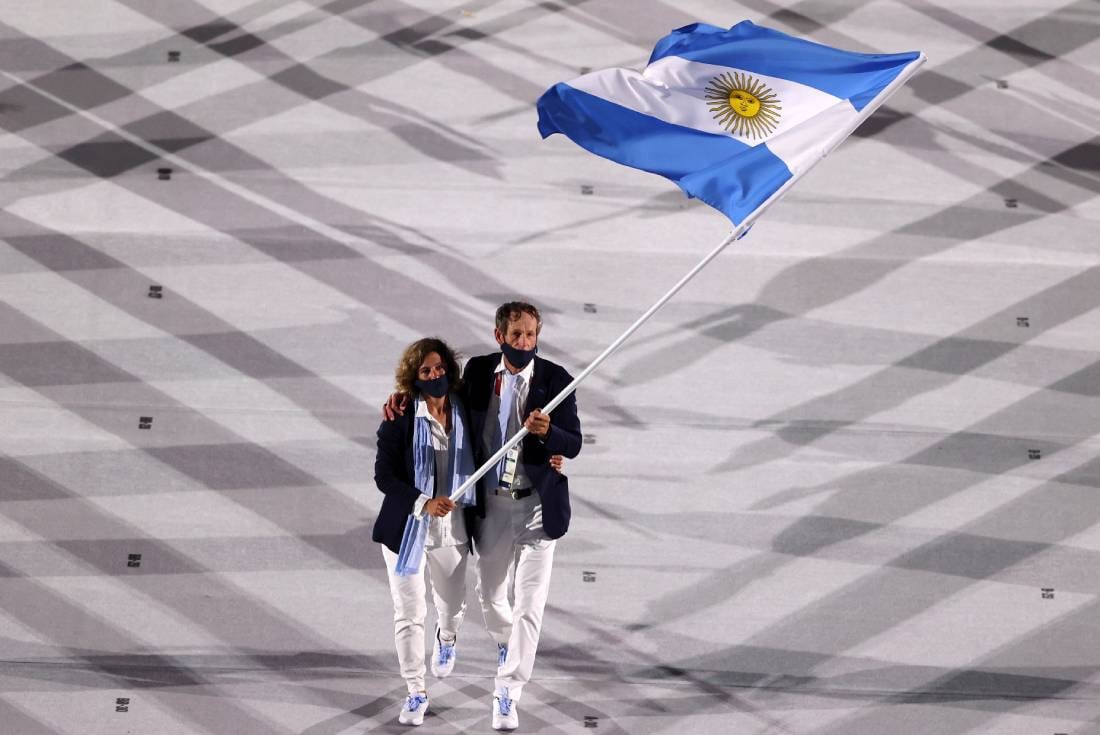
27	601
18	720
871	499
227	464
80	264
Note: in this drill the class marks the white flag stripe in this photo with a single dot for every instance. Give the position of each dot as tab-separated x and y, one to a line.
798	101
802	146
628	88
672	89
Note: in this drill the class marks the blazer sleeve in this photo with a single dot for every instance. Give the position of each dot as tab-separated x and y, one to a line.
565	428
390	473
472	383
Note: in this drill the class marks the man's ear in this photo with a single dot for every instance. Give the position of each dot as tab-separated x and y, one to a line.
498	336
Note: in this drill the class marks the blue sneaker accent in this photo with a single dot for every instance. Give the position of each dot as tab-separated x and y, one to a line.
414	709
505	711
443	656
504	702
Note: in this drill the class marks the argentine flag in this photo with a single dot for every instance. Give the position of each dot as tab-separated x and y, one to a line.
732	116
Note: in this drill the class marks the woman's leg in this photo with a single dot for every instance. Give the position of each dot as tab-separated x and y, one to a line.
409	609
447	574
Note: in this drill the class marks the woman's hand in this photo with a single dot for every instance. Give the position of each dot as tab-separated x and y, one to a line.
439	507
557	461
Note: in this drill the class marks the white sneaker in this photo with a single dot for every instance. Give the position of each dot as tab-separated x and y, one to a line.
505	716
443	656
412	712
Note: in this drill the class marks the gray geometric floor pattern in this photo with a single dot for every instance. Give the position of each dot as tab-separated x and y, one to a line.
845	483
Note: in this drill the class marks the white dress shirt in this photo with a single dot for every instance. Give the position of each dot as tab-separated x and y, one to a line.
520	384
450	530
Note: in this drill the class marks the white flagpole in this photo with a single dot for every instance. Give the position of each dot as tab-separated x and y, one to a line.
828	147
568	390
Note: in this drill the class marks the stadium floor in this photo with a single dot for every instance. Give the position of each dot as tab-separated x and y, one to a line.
845	483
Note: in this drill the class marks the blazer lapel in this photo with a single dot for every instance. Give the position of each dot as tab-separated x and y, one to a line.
536	395
480	390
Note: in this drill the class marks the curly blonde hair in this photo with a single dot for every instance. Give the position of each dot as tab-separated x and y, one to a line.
409	365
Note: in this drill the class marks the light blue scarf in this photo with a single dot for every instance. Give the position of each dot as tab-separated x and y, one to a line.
460	462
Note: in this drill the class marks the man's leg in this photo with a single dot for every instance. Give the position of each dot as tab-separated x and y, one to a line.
495	552
532	586
409	609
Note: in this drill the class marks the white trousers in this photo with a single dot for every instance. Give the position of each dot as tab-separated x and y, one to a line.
513	544
446	569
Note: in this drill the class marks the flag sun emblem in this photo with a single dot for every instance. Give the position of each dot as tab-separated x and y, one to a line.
743	105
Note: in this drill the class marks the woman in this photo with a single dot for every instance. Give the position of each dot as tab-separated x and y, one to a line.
422	457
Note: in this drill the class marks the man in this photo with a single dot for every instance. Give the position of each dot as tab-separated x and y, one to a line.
523	505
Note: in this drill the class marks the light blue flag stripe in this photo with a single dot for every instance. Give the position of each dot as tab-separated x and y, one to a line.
723	172
844	74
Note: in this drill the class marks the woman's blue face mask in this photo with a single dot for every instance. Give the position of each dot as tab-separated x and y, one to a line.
436	388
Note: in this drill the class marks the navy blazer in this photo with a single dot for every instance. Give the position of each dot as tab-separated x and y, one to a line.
564	437
395	476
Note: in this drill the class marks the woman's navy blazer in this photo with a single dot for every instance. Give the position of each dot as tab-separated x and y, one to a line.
394	475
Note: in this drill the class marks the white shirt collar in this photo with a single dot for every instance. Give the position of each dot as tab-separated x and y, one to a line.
526	373
423	412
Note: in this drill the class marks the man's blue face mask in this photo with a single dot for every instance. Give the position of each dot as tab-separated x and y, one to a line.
436	388
518	358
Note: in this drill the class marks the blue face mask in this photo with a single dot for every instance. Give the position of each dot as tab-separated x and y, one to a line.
436	388
518	358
